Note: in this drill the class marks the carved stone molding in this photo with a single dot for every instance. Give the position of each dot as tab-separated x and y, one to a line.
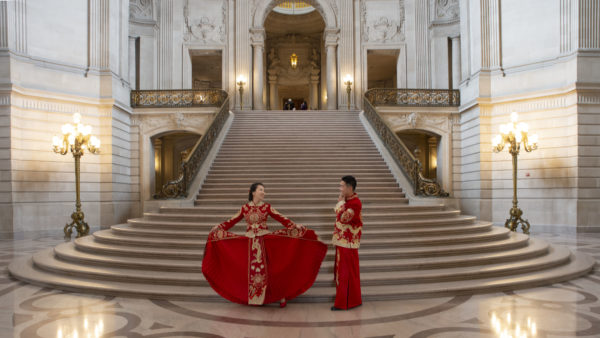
331	36
380	28
447	10
205	28
141	10
171	121
416	120
257	36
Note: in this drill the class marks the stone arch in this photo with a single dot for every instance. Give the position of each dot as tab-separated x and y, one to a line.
444	160
264	7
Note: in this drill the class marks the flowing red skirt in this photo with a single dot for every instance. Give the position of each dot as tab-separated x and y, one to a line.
291	259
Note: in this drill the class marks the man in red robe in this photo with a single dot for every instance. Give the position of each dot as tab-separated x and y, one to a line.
346	239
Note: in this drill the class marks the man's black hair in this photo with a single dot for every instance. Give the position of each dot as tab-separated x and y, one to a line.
350	180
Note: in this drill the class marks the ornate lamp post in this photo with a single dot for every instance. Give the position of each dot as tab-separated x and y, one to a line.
348	83
241	82
515	135
77	138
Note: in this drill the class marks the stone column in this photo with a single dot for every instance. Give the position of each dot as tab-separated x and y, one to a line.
314	92
331	36
273	93
456	71
258	42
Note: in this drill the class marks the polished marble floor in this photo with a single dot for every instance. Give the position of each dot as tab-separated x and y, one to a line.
561	310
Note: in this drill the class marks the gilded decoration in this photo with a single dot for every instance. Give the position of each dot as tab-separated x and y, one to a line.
177	98
410	166
413	97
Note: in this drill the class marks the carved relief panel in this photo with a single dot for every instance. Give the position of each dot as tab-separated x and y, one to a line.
382	21
205	21
140	10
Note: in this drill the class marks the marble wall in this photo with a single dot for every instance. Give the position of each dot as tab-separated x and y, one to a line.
538	58
550	77
58	60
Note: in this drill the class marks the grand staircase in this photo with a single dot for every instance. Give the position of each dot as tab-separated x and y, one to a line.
407	251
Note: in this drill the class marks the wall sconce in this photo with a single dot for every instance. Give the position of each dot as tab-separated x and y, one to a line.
348	82
241	82
294	60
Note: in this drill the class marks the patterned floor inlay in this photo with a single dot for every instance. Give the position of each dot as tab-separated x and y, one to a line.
561	310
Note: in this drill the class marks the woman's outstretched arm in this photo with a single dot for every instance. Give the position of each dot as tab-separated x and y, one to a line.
286	222
232	221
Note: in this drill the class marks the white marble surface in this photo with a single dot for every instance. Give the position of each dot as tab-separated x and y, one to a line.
561	310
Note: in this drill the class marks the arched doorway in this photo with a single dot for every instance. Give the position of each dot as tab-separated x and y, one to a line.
170	149
327	53
425	146
294	45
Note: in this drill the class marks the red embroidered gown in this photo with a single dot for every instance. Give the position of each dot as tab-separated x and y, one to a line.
261	267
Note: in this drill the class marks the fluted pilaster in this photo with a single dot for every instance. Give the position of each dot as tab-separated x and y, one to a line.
243	55
346	50
567	31
3	25
98	34
589	24
165	44
490	34
423	51
16	25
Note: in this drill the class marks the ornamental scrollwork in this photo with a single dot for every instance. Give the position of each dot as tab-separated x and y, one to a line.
413	97
410	166
179	188
177	98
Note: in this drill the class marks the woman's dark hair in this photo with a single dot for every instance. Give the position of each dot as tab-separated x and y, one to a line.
253	188
350	180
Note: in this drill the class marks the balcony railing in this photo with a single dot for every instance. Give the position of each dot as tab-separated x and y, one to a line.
413	97
407	162
178	98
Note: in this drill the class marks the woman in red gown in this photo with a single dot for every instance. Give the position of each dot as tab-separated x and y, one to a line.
261	267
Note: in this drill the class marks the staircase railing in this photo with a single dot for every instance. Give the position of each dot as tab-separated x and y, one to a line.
407	162
178	98
179	188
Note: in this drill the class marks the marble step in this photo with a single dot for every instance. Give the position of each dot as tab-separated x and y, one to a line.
260	166
300	151
308	195
303	206
243	190
368	216
403	207
305	203
286	180
46	260
286	186
493	234
535	248
579	264
424	223
509	242
278	171
126	229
